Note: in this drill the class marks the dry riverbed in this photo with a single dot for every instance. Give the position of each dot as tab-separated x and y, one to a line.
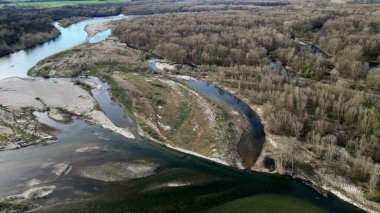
72	62
19	98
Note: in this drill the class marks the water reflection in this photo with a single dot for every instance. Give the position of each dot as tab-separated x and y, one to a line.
113	110
18	63
100	36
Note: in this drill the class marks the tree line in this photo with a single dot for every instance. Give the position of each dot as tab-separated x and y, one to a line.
221	38
340	126
349	39
160	7
23	27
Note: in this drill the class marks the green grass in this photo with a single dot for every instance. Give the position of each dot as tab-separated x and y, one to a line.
184	113
111	171
266	203
26	136
152	90
373	196
59	3
138	79
306	168
120	95
149	130
3	137
45	128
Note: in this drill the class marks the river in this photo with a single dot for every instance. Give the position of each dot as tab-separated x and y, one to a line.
16	64
181	182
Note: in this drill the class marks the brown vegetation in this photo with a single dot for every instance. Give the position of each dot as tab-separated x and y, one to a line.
347	38
339	127
164	109
155	7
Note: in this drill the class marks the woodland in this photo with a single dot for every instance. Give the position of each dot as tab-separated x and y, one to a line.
314	70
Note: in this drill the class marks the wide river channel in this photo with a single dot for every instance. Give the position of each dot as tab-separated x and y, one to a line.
180	183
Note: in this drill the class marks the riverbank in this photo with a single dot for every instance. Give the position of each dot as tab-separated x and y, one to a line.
275	143
29	95
346	191
40	39
152	100
124	68
169	112
288	156
307	167
314	172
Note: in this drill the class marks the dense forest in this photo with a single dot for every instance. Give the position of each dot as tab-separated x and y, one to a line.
23	27
350	41
156	7
321	94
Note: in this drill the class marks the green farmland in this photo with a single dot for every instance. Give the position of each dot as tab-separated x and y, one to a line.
43	3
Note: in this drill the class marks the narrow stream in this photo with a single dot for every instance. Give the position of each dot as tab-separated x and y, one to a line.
180	183
312	48
113	111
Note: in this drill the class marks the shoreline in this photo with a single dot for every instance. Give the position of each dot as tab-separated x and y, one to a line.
33	45
167	143
188	152
305	180
101	119
270	139
16	95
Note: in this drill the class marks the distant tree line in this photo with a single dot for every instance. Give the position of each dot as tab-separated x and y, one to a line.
159	7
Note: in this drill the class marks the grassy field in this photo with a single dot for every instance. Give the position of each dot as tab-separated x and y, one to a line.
43	3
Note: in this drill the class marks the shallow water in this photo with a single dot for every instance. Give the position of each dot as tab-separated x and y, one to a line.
312	49
218	183
113	110
211	185
251	144
100	36
18	63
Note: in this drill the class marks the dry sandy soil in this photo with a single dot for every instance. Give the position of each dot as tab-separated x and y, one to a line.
40	94
20	97
72	62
